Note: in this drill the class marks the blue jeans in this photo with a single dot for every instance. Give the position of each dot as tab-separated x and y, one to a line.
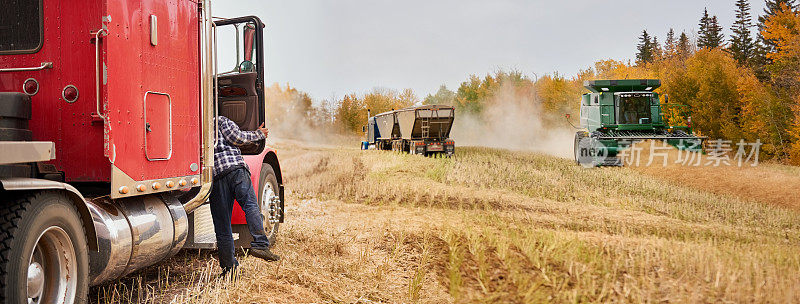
235	185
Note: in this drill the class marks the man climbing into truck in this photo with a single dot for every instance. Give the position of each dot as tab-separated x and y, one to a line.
232	181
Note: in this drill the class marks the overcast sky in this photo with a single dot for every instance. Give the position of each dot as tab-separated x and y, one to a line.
331	48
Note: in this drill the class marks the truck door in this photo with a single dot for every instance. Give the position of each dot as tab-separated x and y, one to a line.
240	76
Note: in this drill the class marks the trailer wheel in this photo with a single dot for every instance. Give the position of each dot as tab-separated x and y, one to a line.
43	251
269	201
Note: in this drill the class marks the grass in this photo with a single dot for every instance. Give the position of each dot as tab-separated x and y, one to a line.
497	226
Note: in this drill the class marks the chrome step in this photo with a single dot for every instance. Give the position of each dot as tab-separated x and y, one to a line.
201	229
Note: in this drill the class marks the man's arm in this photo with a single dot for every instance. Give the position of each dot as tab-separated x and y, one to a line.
231	132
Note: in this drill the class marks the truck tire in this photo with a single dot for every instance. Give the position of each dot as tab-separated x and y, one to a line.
43	250
270	213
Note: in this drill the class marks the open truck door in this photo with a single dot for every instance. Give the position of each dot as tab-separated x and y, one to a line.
240	89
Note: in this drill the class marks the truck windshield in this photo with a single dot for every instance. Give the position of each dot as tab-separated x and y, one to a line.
633	109
20	26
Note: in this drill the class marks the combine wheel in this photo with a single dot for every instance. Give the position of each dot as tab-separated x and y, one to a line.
576	146
269	201
43	251
587	151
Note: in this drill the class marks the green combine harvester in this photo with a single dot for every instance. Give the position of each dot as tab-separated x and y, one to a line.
619	113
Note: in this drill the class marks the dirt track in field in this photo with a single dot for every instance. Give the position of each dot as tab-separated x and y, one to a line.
758	182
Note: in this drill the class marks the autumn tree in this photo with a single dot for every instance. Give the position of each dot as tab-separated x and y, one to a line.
783	29
614	69
443	96
742	44
471	94
773	7
557	95
765	46
710	35
708	85
351	113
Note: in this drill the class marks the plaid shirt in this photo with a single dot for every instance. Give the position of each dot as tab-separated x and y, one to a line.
229	138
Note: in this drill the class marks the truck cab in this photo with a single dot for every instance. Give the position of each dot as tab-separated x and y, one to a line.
107	128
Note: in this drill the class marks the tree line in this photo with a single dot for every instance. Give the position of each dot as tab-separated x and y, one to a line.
745	86
747	42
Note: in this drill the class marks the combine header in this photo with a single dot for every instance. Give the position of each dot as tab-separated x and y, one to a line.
618	113
417	130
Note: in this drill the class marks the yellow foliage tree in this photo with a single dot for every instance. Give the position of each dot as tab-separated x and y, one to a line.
783	28
351	112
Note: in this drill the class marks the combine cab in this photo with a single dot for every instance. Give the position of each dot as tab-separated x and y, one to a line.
618	113
418	130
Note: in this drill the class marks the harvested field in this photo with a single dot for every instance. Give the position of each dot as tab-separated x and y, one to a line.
493	225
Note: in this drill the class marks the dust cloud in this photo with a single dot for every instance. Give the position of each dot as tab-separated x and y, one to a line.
514	121
292	117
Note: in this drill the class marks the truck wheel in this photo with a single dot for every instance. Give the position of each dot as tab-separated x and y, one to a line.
269	201
43	251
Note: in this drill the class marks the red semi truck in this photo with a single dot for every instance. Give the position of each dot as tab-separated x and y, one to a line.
107	138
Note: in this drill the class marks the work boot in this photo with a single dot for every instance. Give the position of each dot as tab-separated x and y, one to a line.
264	254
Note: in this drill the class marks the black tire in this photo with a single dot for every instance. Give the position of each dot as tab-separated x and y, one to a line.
9	134
267	177
576	145
15	105
15	112
28	223
16	170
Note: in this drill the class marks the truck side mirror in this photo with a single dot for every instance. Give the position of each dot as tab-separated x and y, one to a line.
363	128
666	99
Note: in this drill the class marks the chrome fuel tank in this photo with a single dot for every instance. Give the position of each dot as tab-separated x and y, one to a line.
134	233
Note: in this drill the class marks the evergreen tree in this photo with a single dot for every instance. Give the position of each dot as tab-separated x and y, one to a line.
718	37
684	46
645	48
742	45
671	45
710	35
703	25
658	52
